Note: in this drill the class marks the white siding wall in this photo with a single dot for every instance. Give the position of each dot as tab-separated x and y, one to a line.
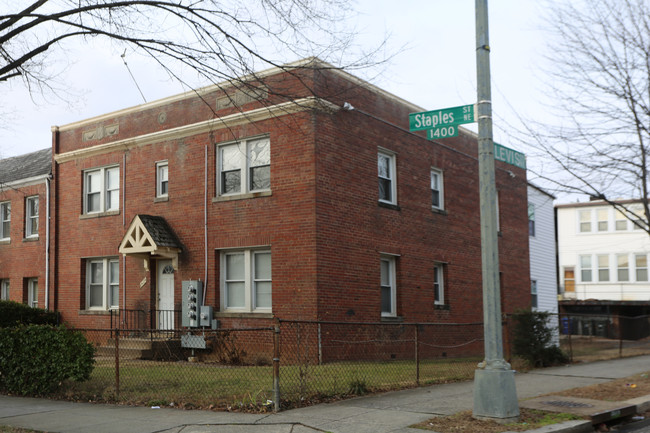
572	244
542	251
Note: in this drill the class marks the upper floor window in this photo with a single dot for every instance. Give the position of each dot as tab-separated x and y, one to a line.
4	289
244	167
102	283
603	219
437	191
531	219
641	266
621	221
5	220
31	217
585	221
246	281
623	267
603	267
388	286
533	293
386	172
585	268
101	190
162	178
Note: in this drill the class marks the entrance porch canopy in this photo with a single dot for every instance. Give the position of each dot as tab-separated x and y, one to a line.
150	236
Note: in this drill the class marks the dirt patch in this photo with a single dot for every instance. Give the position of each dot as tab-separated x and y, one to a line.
464	423
629	387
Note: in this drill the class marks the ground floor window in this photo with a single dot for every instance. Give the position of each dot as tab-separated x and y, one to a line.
102	283
438	284
388	286
32	292
246	283
533	293
4	289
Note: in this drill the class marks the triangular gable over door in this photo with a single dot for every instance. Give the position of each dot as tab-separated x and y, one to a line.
150	236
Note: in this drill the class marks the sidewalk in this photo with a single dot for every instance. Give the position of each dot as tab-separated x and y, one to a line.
383	413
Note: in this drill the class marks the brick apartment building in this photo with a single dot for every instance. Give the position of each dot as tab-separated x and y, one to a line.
301	196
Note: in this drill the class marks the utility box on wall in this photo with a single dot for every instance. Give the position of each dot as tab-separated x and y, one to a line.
191	302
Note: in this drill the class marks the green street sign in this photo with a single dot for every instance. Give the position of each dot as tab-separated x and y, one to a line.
509	156
442	132
446	117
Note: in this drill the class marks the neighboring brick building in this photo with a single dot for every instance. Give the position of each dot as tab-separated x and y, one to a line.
24	232
283	202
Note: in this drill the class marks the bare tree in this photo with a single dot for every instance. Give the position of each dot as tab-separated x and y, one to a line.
220	40
599	78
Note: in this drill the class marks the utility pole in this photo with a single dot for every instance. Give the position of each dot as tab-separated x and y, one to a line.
495	396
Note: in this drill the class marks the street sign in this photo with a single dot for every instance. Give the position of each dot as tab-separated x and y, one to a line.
510	156
446	117
442	132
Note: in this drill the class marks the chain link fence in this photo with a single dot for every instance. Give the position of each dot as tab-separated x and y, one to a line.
295	363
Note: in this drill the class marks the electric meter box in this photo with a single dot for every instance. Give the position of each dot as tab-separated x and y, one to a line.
205	319
191	302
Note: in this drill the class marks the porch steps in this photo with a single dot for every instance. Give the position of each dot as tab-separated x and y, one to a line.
143	348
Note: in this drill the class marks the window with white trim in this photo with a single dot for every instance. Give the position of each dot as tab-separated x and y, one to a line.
641	267
32	292
438	284
622	267
585	268
5	220
388	287
244	167
603	219
531	219
102	190
162	178
437	190
31	217
387	183
603	267
4	289
585	221
246	283
620	222
102	283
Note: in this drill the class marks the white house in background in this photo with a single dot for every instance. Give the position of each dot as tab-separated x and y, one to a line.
602	255
541	241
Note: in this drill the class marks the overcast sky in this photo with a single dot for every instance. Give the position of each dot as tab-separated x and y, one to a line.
437	69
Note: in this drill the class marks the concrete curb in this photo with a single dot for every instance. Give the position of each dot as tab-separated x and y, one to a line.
577	426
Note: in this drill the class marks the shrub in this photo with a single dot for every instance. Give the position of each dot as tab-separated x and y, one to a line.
532	339
14	313
36	359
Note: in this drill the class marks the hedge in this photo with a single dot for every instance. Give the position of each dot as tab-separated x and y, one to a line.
14	313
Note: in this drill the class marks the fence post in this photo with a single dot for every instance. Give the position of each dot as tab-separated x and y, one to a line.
620	337
569	332
320	346
117	362
276	366
417	355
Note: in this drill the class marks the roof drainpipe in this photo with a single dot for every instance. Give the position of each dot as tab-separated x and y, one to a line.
205	226
47	241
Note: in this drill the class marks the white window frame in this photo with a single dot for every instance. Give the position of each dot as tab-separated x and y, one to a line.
602	224
534	299
620	221
602	260
245	163
437	186
390	177
438	284
4	289
110	287
584	223
641	269
31	217
249	282
32	292
388	282
109	198
622	267
531	219
5	219
586	265
162	179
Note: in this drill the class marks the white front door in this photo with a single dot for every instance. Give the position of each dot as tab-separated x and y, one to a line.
165	283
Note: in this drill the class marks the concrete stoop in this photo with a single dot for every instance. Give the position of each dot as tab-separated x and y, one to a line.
143	348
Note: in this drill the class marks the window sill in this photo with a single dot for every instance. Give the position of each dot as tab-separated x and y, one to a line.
241	196
98	214
444	307
392	319
94	312
389	205
5	241
242	315
161	199
31	239
439	211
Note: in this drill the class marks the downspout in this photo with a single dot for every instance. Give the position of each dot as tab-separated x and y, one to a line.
124	225
205	226
47	242
55	172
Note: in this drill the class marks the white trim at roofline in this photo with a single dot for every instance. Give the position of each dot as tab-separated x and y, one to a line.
29	181
200	127
305	63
